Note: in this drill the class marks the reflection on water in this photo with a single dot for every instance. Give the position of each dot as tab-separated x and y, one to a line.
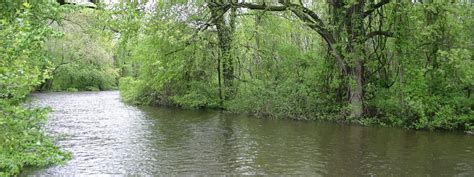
107	136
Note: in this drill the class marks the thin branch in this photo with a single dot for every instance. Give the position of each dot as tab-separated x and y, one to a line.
309	17
379	33
375	7
205	25
261	6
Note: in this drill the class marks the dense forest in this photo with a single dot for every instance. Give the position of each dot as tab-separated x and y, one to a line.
372	62
395	63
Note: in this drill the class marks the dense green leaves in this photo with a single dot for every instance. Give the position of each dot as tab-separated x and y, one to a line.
413	61
24	64
83	57
23	142
392	63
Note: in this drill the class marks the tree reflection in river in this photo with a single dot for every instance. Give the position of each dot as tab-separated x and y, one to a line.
107	136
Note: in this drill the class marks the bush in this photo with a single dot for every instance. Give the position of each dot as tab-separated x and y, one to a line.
87	78
23	141
72	89
92	88
197	95
135	91
24	64
283	100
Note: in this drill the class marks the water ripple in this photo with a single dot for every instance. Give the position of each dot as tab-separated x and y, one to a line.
107	136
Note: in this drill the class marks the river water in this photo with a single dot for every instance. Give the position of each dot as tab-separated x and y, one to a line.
107	136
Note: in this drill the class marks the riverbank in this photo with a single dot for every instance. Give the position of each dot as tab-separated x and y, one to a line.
278	106
107	136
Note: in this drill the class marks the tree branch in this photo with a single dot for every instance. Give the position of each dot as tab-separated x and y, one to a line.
204	26
309	17
379	33
261	6
375	7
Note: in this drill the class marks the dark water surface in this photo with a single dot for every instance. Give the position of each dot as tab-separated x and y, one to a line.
107	136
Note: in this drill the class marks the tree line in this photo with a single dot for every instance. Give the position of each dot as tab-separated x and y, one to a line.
383	62
389	62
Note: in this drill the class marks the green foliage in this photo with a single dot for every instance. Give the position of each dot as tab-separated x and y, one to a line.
92	88
23	140
435	78
24	64
417	75
83	77
135	91
82	58
197	95
72	89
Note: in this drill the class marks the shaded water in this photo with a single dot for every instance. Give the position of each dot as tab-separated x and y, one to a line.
107	136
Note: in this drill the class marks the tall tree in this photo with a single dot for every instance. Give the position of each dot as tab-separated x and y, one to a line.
350	17
225	25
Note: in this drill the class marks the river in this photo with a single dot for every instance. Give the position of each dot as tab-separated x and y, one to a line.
107	136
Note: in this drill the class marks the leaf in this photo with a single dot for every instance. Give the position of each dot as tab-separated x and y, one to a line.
26	5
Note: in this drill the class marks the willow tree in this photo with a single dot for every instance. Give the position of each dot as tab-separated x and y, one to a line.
347	50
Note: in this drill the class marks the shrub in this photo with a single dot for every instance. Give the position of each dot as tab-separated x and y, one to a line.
72	89
92	88
23	141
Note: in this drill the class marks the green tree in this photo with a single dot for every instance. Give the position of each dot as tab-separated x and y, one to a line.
397	63
24	63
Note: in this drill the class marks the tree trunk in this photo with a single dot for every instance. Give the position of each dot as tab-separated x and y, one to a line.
224	33
344	16
357	91
355	47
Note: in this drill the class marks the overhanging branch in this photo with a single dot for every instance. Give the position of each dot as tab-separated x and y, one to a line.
309	17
